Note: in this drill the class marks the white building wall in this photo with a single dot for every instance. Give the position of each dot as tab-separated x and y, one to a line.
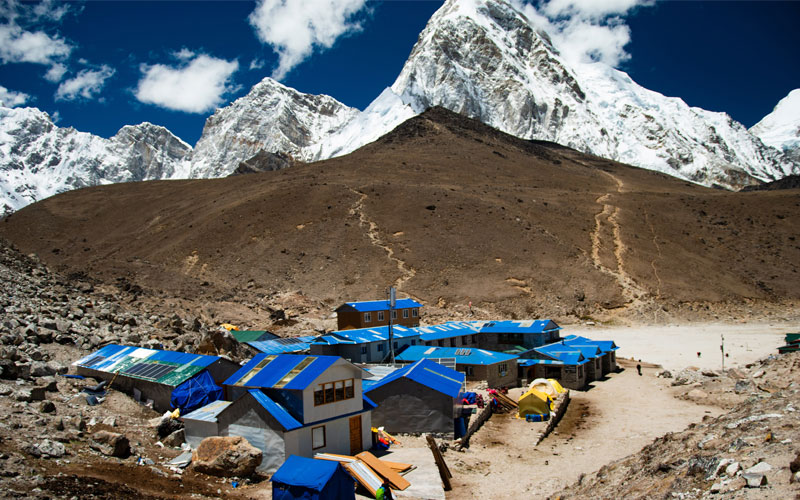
336	372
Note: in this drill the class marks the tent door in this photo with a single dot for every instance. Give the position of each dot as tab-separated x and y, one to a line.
355	435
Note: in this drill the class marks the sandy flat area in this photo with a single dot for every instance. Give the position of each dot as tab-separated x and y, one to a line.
675	347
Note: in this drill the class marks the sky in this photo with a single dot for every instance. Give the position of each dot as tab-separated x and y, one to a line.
99	65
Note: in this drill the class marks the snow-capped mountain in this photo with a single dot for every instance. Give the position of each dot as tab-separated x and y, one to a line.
481	58
39	159
781	128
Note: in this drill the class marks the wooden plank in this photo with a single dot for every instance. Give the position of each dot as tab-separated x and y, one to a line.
400	467
444	471
335	457
395	479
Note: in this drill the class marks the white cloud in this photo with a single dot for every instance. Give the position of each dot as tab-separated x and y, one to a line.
184	54
586	30
56	116
55	73
257	64
295	28
87	84
11	99
194	87
18	45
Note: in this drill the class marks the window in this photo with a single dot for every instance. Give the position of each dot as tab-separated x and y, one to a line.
395	345
502	368
441	342
317	437
405	313
394	314
331	392
475	338
380	347
367	317
470	370
363	349
413	342
414	313
464	340
380	315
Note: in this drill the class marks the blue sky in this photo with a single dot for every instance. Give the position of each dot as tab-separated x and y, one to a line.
99	65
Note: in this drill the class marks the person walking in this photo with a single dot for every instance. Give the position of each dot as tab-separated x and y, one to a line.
639	369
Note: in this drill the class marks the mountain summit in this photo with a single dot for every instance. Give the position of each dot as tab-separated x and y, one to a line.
481	58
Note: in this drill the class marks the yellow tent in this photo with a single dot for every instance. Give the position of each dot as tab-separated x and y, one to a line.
548	386
229	327
534	402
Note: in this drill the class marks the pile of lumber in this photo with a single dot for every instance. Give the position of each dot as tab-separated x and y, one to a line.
504	402
370	471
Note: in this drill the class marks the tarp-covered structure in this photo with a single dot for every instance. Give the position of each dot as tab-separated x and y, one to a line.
196	392
548	386
422	397
534	402
151	374
309	479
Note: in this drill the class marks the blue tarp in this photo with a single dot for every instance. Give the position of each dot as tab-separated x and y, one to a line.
309	479
195	393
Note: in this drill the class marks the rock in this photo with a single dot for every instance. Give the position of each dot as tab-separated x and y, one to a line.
794	466
111	443
697	394
754	480
41	369
716	487
175	439
703	466
219	341
743	386
230	456
665	374
732	469
758	374
110	421
47	407
58	424
709	373
759	468
795	478
167	426
29	395
737	373
47	449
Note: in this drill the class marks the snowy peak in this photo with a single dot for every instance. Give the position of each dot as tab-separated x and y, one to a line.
271	118
781	128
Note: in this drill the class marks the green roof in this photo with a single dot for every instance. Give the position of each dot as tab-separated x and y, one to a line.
248	335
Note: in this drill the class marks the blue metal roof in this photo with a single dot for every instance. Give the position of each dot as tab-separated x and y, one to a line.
366	335
378	305
446	330
207	413
463	355
604	345
429	374
284	345
531	362
280	413
590	351
267	370
567	354
520	326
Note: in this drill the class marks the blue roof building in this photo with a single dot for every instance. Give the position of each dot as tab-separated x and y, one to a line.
605	353
373	313
497	368
288	345
364	345
151	374
297	404
421	397
527	334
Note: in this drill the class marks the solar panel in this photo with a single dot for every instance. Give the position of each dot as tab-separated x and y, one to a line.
151	371
463	352
288	341
93	361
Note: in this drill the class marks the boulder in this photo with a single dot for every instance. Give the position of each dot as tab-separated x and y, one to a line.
111	444
47	449
229	456
743	386
175	439
167	426
696	394
794	466
759	468
754	480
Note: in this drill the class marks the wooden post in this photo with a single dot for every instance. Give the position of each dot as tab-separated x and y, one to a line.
444	471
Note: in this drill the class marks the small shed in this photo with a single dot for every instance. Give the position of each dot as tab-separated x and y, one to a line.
422	397
151	374
203	423
309	479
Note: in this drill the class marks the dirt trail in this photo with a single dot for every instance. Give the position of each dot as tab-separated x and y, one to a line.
406	272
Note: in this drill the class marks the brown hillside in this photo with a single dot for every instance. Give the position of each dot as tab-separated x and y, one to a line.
447	209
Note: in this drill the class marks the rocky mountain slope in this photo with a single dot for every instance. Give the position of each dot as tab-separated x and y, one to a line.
483	59
749	452
448	210
781	128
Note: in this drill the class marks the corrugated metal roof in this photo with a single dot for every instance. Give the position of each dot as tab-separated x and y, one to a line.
284	345
590	351
378	305
287	421
366	335
269	370
531	362
252	335
604	345
164	367
462	355
208	413
429	374
567	354
445	330
520	326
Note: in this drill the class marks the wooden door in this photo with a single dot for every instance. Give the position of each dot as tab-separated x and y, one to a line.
355	435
